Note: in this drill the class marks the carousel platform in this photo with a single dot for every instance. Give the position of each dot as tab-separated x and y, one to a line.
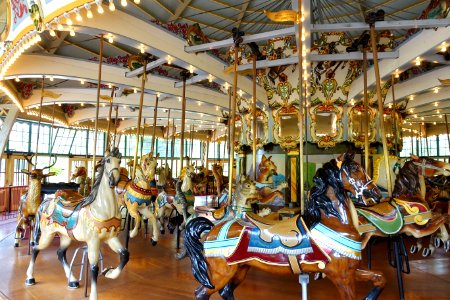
153	273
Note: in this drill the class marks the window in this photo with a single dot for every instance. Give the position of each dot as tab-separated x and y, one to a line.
431	146
100	143
20	178
19	138
444	147
79	143
2	171
44	138
62	140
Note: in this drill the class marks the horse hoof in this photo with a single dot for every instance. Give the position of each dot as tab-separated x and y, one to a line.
171	231
32	244
426	252
438	242
447	246
413	249
154	243
74	285
16	245
162	231
30	281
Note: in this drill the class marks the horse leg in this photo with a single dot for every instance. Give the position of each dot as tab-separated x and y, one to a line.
93	255
64	243
221	275
44	241
115	244
18	237
134	213
378	279
151	217
343	280
227	292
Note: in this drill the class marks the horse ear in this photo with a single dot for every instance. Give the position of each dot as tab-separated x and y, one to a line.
349	155
263	158
414	157
269	158
157	156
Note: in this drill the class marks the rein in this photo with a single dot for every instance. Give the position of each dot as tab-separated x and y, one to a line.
358	188
425	166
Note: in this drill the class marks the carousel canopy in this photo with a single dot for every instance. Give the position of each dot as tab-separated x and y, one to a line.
58	42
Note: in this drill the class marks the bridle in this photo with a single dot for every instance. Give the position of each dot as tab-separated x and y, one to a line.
359	188
425	166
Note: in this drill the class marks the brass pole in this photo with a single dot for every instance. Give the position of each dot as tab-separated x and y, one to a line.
172	149
155	115
142	138
227	130
232	121
448	134
254	117
184	74
167	135
108	134
138	128
380	108
115	126
192	139
39	123
300	109
99	83
366	114
51	135
394	116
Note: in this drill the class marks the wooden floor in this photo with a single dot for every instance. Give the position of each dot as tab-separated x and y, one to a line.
153	273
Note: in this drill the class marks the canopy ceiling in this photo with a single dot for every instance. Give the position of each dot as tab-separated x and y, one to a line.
157	26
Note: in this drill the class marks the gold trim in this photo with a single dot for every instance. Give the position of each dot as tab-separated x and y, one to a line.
5	32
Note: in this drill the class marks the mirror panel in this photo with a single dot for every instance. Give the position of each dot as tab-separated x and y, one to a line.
262	128
357	125
285	129
326	124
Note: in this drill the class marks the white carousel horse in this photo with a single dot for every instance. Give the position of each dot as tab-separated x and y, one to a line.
92	219
163	174
170	203
140	193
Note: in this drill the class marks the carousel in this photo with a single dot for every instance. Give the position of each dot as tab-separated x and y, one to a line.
215	149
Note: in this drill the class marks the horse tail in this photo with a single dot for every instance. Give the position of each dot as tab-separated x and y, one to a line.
194	247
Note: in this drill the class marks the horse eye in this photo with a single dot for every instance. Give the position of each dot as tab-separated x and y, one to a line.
108	160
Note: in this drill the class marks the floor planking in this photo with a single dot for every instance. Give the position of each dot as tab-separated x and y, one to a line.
153	273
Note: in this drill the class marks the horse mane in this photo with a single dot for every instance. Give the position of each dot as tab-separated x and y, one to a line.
328	175
407	181
98	178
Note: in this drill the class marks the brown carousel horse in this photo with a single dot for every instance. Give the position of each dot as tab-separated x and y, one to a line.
30	201
93	219
408	212
329	243
80	177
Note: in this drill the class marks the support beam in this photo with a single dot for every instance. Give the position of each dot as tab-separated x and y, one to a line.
261	64
180	9
192	80
357	26
151	65
241	14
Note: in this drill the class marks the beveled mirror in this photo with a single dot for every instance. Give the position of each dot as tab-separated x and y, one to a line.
262	128
238	133
326	125
357	125
285	129
393	129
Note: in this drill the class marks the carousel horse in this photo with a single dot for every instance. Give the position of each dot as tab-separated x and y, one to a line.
220	180
325	240
80	177
167	206
379	171
200	180
30	201
92	219
163	174
140	193
407	212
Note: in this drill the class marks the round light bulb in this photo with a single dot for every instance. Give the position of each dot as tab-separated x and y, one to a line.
100	9
89	14
112	7
123	3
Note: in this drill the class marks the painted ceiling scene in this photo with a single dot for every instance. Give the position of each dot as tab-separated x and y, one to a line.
164	35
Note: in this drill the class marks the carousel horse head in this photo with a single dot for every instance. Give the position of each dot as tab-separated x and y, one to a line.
410	176
246	192
190	170
344	176
110	166
79	171
169	187
266	170
149	164
356	181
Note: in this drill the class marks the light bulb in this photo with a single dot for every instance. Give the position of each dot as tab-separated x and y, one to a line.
135	90
210	78
82	81
110	39
51	78
124	3
418	61
137	1
443	47
89	14
72	32
68	20
52	32
112	7
78	17
59	27
100	9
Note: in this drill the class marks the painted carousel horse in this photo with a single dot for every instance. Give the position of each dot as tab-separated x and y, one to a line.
92	219
325	240
220	180
168	206
264	178
379	171
80	177
200	180
408	212
164	173
140	193
29	202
